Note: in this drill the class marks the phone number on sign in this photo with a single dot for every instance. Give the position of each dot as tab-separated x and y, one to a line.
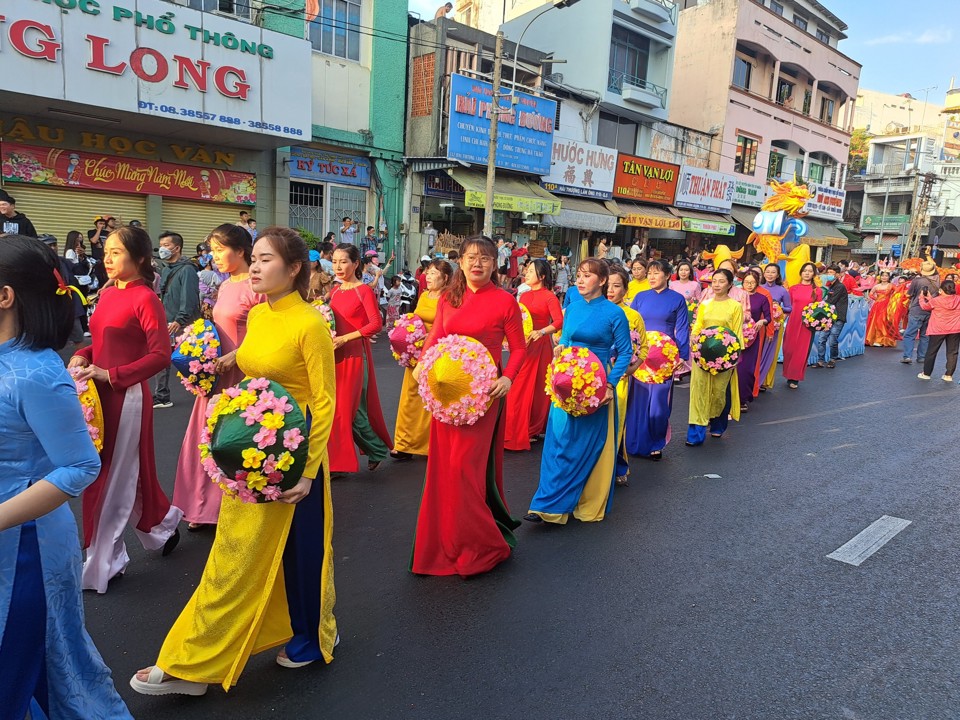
215	117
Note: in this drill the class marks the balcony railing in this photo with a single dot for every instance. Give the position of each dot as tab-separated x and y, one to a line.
635	89
792	111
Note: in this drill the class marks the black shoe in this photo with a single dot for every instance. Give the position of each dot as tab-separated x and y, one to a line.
400	456
171	544
162	404
533	518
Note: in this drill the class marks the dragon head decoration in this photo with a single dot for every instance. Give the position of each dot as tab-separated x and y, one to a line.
789	196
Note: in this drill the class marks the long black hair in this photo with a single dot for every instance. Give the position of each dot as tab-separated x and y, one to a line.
542	268
31	269
779	280
234	237
136	241
458	286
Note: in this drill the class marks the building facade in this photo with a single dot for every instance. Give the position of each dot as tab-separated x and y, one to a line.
769	79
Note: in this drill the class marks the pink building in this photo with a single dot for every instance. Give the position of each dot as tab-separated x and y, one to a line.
766	76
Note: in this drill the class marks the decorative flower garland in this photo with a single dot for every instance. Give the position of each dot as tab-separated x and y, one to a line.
195	357
716	349
407	338
778	315
819	315
327	313
242	447
749	331
91	407
663	355
576	381
456	379
639	349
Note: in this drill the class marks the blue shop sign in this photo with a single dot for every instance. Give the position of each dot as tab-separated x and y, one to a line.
524	133
327	166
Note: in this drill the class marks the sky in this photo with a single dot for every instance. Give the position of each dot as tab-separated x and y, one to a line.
904	46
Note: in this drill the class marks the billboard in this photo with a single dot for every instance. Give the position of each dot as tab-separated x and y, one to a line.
524	130
308	163
581	169
645	180
156	58
701	189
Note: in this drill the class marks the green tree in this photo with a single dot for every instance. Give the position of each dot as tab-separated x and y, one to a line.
859	148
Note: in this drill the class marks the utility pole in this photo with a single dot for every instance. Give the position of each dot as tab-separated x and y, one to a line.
924	190
883	221
492	148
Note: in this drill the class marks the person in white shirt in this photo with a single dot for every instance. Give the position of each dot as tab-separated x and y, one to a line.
348	231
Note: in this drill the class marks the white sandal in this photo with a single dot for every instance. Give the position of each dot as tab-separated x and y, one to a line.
284	661
156	685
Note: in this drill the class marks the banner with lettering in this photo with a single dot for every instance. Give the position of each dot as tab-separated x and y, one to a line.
581	169
645	180
90	171
702	189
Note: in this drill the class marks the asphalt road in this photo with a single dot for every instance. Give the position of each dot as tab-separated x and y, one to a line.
696	598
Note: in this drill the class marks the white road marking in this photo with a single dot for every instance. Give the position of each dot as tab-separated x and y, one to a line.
867	542
834	411
712	476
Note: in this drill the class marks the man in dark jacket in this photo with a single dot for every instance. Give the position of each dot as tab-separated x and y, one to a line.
836	296
917	318
11	221
180	295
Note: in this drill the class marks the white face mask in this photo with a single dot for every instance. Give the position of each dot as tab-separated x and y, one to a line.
165	253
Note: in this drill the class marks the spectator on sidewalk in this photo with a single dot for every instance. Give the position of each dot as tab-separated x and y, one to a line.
944	327
11	221
180	295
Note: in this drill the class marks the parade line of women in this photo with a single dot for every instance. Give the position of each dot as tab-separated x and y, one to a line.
282	596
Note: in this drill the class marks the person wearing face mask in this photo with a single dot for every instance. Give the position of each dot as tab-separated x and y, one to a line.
838	297
180	294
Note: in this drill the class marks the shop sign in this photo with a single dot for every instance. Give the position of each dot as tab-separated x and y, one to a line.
26	130
709	227
524	130
439	184
702	189
154	58
748	193
827	202
651	221
645	180
581	169
889	222
326	166
513	203
88	171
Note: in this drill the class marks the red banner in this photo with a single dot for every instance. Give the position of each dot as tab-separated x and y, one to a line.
90	171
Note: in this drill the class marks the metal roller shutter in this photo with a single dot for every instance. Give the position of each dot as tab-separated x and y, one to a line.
57	211
195	220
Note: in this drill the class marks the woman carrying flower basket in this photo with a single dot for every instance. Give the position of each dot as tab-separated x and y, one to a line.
773	284
797	337
359	416
193	492
464	527
130	345
527	404
269	578
47	658
748	367
617	284
578	465
714	394
649	406
412	433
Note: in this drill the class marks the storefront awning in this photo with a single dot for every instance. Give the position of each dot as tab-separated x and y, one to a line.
582	214
648	216
823	233
512	194
744	216
702	222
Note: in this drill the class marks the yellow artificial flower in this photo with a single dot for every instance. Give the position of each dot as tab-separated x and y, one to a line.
411	328
198	326
590	391
576	383
256	481
253	458
272	421
284	461
589	377
583	352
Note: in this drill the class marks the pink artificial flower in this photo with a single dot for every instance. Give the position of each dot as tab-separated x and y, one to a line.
265	437
258	384
271	492
252	415
292	439
232	392
269	465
